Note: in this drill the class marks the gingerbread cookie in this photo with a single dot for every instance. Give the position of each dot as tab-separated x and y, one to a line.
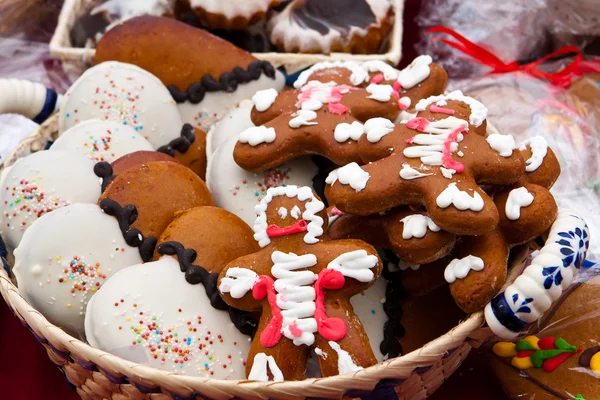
319	118
145	199
207	87
137	158
561	358
302	282
317	26
412	236
189	149
439	168
216	14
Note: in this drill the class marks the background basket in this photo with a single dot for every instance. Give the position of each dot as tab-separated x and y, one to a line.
61	47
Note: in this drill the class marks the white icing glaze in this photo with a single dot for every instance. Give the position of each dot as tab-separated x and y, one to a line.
517	199
355	264
389	73
231	125
351	174
358	76
478	111
57	252
146	291
459	199
405	101
404	266
40	183
345	362
296	213
259	370
429	146
312	207
303	117
447	172
320	353
126	9
460	153
416	72
503	144
460	268
264	99
238	281
409	173
380	93
256	135
368	307
244	9
282	212
539	149
416	225
126	94
315	94
101	140
216	105
238	191
376	128
295	294
345	131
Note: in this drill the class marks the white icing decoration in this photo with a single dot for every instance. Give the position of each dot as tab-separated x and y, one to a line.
283	212
441	103
295	294
345	131
320	353
303	117
429	146
503	144
380	93
127	9
238	281
256	135
460	199
345	362
389	73
460	268
259	369
359	74
539	149
517	199
447	172
376	128
404	266
355	264
81	234
296	212
314	94
416	225
405	101
409	173
478	111
351	174
416	72
264	99
243	10
312	207
460	154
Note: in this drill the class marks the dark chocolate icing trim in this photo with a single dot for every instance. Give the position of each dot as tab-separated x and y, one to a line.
394	294
182	143
133	237
228	82
586	356
195	274
104	171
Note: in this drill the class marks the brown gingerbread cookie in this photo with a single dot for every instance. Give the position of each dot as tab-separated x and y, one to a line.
137	158
411	235
145	199
561	358
302	281
436	159
189	149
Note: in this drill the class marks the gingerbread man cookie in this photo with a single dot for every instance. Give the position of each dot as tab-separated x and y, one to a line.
436	159
411	235
302	282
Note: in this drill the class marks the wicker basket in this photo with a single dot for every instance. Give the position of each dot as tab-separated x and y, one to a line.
99	375
61	47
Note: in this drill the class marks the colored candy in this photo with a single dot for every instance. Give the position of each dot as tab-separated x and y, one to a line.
504	349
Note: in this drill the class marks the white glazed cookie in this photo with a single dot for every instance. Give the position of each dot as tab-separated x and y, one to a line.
40	183
126	94
232	124
215	105
101	140
368	306
219	14
150	314
239	191
65	257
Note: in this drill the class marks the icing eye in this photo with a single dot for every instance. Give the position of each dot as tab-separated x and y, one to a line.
296	213
283	212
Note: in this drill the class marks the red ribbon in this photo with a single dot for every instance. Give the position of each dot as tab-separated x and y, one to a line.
560	78
275	231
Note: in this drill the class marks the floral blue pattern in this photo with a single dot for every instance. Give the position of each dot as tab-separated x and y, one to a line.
574	246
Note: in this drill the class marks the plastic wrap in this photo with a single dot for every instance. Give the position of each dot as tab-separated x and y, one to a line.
577	17
513	30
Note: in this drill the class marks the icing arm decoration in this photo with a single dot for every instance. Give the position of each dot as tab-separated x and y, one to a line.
355	264
259	369
265	287
238	282
329	328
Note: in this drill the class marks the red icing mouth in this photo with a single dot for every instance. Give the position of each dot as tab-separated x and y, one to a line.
276	231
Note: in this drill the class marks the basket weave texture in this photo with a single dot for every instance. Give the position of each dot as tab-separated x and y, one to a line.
99	375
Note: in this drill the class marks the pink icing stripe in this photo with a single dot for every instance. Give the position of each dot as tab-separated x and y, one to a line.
396	86
337	108
265	288
447	153
418	123
329	328
336	211
377	79
442	110
410	140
